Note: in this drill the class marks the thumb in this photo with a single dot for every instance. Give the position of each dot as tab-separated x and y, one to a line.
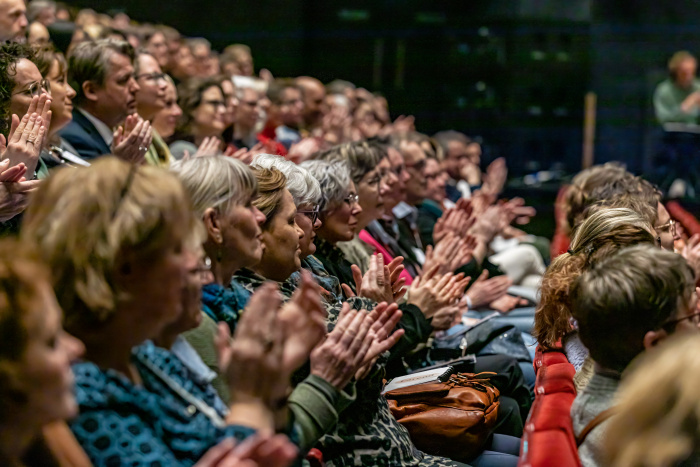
483	276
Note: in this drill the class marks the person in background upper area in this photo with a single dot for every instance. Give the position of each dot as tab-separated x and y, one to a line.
314	95
285	115
150	99
13	20
677	99
53	67
166	120
41	11
102	74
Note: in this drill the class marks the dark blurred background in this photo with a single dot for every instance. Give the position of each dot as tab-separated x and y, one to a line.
513	72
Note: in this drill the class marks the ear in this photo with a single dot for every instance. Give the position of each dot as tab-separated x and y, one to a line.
653	338
89	89
213	225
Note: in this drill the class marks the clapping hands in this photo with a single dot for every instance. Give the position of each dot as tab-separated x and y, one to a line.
131	142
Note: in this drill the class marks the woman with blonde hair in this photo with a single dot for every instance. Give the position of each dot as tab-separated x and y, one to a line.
656	422
118	238
600	235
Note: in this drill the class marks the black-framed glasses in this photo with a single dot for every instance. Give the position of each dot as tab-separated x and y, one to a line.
351	198
695	317
155	76
35	88
312	213
216	104
670	226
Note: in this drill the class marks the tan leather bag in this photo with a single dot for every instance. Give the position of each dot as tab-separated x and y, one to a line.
451	419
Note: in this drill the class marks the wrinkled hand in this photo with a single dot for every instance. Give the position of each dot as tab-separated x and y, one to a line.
431	292
255	372
484	290
337	358
495	177
15	173
456	221
489	223
376	284
131	142
14	196
28	135
304	321
211	146
446	317
691	253
450	254
259	450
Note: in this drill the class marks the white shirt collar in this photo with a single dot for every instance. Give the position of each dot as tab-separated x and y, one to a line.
101	127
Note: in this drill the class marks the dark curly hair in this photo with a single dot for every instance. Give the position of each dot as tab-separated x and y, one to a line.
10	54
189	98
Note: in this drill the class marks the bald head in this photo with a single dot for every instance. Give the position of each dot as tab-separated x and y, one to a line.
314	95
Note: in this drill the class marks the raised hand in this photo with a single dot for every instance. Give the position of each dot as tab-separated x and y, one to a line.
255	373
131	142
431	291
210	147
450	254
28	135
375	284
304	320
337	358
383	330
484	290
495	177
14	196
15	173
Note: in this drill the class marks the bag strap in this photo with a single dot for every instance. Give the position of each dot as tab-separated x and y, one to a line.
600	418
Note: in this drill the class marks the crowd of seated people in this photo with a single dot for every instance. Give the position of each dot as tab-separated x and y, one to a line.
205	265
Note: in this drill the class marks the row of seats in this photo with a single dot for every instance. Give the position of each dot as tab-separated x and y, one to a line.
548	439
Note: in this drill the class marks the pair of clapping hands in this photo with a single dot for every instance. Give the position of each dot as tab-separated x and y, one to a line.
19	156
274	340
435	292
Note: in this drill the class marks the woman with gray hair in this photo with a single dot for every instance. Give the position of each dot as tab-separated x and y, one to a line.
339	209
306	193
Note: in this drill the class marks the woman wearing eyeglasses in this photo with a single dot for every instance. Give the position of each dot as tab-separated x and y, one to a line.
150	99
340	209
203	115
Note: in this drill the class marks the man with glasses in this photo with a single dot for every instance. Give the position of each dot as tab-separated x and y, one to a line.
150	99
102	74
624	306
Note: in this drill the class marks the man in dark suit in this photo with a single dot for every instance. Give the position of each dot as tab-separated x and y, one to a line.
102	75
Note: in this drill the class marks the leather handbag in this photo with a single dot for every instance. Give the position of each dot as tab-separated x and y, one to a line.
452	419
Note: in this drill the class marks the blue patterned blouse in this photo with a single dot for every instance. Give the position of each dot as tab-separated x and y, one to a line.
168	421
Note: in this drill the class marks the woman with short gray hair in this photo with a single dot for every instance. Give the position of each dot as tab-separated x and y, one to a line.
339	208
